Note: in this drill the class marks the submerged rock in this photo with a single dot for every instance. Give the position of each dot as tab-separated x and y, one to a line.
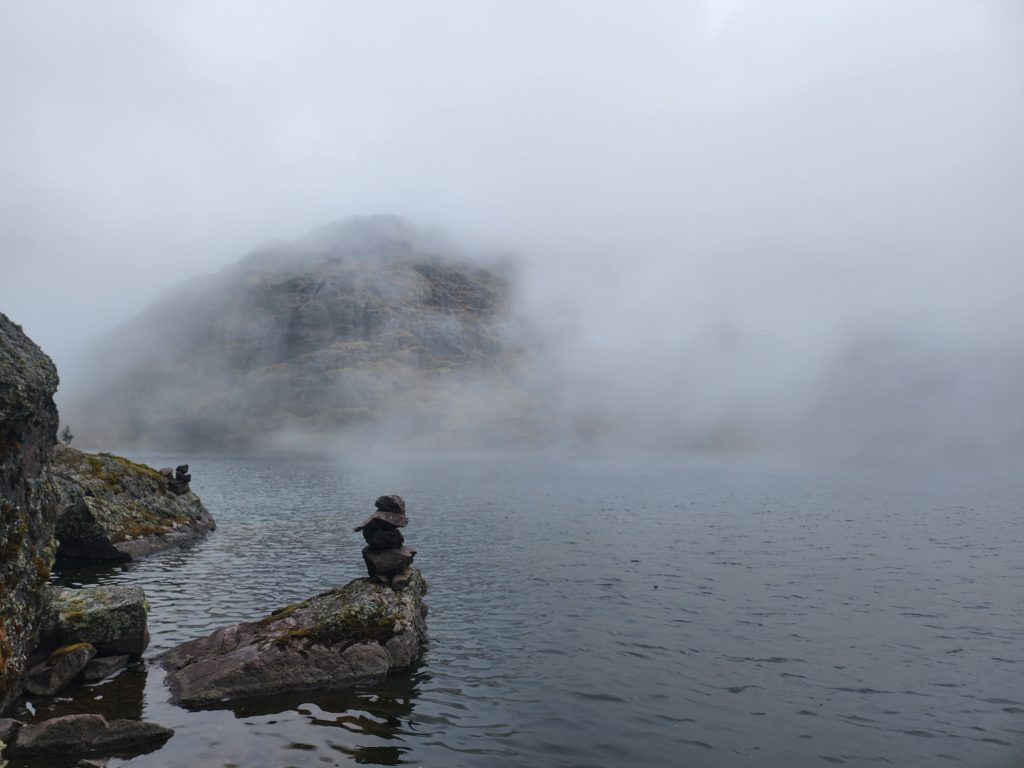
112	618
28	431
116	509
354	634
57	672
103	667
87	733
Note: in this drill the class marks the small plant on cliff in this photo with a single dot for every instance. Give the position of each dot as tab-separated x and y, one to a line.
66	436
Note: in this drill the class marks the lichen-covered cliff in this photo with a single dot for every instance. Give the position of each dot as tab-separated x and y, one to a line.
28	431
367	322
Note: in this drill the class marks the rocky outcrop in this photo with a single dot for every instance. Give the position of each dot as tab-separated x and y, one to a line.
116	509
83	734
369	321
28	431
354	634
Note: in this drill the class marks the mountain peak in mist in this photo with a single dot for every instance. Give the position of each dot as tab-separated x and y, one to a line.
367	321
379	237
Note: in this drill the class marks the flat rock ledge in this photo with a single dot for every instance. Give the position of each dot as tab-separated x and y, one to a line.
83	734
354	634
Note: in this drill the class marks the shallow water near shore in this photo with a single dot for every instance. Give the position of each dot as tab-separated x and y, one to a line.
606	614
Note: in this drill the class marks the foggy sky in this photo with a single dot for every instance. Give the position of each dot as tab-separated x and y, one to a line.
715	200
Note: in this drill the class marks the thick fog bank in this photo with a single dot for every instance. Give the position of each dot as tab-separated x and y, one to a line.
739	228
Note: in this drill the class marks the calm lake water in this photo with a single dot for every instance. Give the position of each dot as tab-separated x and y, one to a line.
602	614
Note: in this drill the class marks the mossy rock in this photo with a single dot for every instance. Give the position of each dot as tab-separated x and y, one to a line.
112	618
353	634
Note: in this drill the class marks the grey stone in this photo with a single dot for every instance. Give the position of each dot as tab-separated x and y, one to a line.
392	503
8	727
87	733
112	618
104	666
381	535
401	580
393	519
59	670
388	562
334	640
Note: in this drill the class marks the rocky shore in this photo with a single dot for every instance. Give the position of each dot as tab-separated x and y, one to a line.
59	502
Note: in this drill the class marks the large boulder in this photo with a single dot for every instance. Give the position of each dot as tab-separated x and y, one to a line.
75	734
113	508
112	618
28	431
354	634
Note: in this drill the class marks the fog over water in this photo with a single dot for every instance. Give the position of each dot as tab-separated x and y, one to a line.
787	227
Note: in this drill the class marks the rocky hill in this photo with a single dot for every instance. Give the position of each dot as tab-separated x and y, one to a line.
371	321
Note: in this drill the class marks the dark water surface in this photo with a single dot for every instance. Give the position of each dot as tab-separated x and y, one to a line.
596	614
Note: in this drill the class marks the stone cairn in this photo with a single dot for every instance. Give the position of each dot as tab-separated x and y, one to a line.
387	559
178	479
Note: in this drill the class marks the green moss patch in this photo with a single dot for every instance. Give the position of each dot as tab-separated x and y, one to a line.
62	652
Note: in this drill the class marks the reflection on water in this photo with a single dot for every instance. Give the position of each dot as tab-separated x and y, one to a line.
599	615
372	725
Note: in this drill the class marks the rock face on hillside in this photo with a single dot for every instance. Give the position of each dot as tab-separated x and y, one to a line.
28	430
357	323
112	508
354	634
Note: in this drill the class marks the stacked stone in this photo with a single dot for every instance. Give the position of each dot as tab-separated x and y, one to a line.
179	480
387	559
